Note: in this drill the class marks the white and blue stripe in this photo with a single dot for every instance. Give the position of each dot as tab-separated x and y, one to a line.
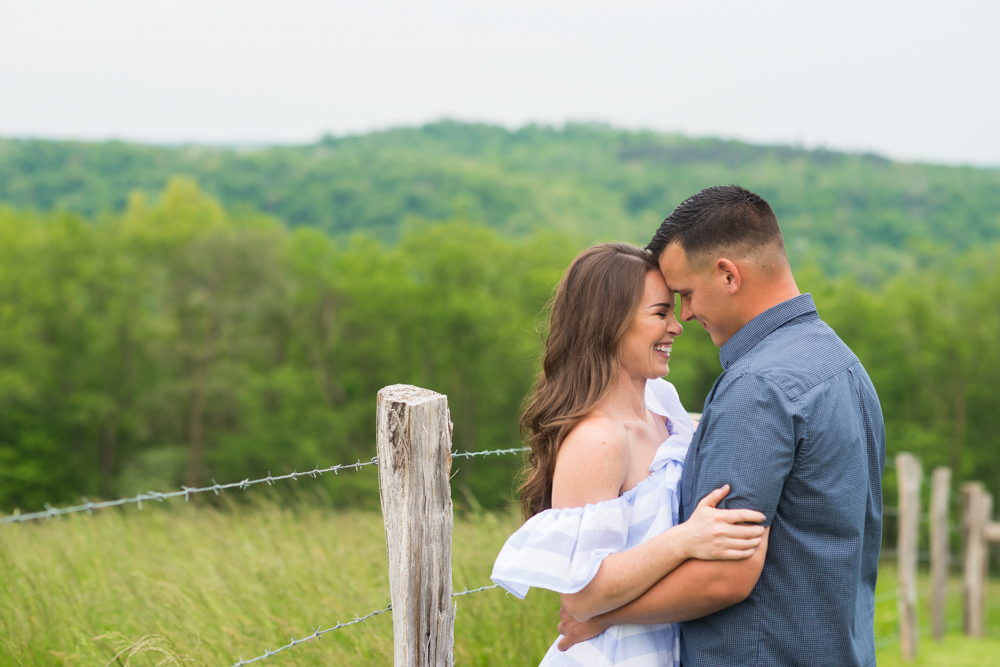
562	549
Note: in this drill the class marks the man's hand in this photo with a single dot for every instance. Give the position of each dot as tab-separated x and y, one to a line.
574	632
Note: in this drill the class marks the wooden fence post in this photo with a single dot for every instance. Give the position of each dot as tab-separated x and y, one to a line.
414	467
975	556
987	522
909	473
940	550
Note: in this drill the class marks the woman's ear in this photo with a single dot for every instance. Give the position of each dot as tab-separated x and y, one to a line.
728	275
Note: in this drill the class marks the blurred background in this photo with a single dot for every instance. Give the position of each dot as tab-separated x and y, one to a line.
225	225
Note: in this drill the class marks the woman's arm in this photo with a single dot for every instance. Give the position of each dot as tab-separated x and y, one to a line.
592	467
695	589
709	535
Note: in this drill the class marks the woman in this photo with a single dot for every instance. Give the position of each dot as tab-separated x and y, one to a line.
608	439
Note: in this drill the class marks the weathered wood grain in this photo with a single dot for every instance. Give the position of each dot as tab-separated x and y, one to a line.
973	580
414	454
940	551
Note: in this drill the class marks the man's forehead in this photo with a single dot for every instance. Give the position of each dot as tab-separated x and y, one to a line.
675	267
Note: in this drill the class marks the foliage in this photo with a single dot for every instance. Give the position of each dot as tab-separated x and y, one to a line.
178	342
927	340
181	342
851	214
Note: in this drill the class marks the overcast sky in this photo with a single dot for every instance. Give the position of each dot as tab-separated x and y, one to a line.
914	80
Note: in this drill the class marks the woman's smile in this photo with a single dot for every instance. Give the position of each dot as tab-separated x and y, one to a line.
649	342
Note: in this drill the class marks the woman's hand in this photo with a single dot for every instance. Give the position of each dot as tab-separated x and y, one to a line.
574	631
714	534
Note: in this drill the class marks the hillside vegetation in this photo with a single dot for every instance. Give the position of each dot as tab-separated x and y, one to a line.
856	214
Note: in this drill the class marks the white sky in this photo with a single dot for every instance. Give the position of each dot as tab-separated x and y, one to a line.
911	79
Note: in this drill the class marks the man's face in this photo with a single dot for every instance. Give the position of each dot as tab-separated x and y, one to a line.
703	296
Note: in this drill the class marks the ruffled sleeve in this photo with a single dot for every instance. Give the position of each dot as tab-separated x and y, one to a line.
562	549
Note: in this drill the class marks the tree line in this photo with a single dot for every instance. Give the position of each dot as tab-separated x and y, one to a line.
181	341
861	215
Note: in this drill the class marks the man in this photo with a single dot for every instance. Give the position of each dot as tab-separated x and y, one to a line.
793	424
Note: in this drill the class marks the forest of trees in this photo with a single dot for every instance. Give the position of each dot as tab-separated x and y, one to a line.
240	320
851	214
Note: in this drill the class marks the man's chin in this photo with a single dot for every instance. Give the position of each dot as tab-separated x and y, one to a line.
717	339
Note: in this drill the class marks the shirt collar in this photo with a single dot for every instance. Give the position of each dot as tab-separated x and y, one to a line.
761	326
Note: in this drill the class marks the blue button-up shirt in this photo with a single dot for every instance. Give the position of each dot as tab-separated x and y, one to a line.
793	424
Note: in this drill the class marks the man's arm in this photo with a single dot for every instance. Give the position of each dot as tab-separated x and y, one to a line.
748	441
695	589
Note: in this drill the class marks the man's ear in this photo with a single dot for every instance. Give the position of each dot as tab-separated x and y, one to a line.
728	275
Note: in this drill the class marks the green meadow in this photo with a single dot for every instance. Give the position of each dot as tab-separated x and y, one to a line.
197	584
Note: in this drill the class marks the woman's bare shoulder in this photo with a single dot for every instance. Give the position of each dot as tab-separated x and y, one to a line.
592	463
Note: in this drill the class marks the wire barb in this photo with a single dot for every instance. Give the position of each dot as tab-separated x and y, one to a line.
474	590
490	452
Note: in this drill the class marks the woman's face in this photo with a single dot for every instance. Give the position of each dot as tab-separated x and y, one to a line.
646	347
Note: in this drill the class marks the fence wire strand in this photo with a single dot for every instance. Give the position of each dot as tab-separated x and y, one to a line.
474	590
186	491
317	632
87	506
490	452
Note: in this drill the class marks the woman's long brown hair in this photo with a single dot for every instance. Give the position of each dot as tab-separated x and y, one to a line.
589	314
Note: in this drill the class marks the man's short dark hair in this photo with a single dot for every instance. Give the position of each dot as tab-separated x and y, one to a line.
724	217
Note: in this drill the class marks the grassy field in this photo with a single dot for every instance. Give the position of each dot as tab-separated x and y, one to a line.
197	585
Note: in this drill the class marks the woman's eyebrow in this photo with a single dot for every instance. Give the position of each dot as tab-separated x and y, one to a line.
661	305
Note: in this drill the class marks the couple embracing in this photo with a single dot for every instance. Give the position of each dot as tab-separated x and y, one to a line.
749	539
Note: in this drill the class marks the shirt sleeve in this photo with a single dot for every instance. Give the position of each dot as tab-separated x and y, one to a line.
749	443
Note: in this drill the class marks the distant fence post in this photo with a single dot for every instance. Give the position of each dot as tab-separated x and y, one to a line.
974	585
987	516
414	467
991	529
940	549
909	473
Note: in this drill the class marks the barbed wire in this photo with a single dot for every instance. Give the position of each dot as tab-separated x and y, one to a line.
955	498
317	632
474	590
87	506
892	638
490	452
888	553
186	491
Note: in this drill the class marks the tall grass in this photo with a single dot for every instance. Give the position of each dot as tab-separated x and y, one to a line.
209	585
200	585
